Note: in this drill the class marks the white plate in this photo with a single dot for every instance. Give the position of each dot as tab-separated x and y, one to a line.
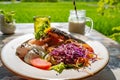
16	65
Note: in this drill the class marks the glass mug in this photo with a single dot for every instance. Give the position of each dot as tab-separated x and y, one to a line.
77	23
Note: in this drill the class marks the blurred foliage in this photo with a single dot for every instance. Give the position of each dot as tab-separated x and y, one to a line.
32	0
51	0
8	15
116	35
107	8
8	0
82	0
5	0
39	0
116	29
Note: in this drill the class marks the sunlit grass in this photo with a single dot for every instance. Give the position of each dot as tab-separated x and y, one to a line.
59	11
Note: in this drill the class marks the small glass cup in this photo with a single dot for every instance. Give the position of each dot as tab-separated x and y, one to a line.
77	22
41	20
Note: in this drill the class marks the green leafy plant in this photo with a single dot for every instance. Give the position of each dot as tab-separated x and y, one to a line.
39	0
107	5
8	16
116	34
108	8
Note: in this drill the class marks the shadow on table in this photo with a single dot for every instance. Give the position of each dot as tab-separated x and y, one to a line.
105	74
6	75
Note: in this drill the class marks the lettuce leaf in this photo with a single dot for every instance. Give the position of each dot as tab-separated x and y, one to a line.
59	67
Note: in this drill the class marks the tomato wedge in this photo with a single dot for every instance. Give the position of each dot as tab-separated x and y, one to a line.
40	63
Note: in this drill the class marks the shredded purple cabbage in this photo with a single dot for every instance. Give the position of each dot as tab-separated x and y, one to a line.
68	53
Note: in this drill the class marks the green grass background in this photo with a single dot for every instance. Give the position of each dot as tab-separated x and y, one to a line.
59	12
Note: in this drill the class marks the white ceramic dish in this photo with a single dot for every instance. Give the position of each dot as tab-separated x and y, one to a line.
16	65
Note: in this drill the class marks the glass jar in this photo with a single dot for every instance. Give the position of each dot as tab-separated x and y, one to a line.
77	21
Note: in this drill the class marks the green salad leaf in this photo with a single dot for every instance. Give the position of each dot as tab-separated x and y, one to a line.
59	67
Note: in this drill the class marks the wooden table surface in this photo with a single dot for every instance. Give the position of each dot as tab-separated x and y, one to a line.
110	72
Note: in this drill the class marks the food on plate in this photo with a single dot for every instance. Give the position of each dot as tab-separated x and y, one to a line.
54	49
40	63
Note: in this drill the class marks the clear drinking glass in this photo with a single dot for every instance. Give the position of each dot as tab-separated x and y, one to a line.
40	21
